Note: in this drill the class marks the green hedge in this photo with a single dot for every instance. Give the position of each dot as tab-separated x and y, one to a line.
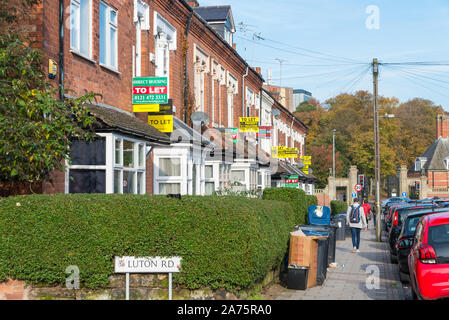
297	198
225	242
338	206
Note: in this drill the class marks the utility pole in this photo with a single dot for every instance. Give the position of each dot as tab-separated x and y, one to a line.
376	151
333	165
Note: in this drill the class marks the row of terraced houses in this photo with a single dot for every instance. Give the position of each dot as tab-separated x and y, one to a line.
101	46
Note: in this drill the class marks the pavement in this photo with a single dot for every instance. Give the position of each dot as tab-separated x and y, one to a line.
368	275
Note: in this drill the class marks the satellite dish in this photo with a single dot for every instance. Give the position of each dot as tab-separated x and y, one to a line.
200	117
276	112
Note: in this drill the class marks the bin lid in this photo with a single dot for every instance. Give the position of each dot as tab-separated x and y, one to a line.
320	215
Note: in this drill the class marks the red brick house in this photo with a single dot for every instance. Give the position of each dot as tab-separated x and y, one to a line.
101	45
429	175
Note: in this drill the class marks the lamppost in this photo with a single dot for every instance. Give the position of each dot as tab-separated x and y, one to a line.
333	165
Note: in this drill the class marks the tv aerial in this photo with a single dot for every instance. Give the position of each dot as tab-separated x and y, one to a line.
199	118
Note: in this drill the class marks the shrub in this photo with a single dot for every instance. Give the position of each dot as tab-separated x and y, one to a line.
225	242
295	197
310	201
338	206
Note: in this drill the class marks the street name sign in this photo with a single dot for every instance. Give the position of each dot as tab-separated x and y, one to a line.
128	264
147	264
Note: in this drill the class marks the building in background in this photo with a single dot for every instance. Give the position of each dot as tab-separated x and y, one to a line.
300	96
283	95
429	175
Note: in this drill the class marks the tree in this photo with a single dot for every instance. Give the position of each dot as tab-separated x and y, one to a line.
322	161
35	127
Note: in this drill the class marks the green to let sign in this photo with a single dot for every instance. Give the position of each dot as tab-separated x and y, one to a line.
150	90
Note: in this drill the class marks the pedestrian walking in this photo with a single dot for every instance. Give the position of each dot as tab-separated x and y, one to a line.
367	210
357	221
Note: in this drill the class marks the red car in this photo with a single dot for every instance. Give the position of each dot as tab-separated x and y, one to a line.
428	260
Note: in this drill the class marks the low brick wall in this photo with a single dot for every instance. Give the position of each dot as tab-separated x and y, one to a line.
141	287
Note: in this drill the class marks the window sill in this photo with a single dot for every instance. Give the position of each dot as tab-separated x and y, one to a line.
76	53
110	68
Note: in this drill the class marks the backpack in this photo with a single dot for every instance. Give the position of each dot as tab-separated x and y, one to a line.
354	216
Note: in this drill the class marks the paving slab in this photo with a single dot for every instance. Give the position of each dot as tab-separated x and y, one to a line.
368	275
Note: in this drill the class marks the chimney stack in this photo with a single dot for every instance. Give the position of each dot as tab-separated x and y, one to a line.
233	46
442	126
258	70
193	3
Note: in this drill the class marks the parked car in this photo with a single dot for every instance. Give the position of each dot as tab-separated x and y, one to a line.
389	216
428	260
405	239
398	216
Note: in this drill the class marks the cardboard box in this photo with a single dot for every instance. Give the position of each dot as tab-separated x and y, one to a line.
304	252
311	279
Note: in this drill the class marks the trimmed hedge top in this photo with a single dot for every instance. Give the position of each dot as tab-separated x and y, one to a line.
225	242
338	206
297	198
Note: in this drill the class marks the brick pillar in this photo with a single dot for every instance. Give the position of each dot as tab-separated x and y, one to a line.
403	182
423	190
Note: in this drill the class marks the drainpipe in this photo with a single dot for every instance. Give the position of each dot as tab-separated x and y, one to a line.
185	71
243	91
61	50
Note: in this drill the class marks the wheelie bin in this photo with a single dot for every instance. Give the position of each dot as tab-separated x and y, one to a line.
320	220
340	221
322	254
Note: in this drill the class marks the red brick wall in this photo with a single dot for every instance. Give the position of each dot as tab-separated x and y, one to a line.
12	290
442	126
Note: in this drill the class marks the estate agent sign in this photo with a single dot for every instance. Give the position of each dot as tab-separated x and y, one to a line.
148	93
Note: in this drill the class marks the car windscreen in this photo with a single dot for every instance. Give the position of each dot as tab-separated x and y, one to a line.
438	234
403	213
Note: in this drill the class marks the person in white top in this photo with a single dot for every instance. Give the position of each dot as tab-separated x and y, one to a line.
357	221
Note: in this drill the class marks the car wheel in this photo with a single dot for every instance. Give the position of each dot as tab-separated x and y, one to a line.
404	277
393	258
414	296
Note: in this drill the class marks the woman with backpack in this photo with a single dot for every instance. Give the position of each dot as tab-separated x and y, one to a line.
357	221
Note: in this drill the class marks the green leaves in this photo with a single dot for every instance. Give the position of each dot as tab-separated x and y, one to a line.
225	242
33	123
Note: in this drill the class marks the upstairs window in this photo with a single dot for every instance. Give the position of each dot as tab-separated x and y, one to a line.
108	36
80	26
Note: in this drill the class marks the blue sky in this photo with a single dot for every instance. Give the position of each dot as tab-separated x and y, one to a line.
408	31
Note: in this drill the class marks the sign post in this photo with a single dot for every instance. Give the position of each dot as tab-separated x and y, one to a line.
129	265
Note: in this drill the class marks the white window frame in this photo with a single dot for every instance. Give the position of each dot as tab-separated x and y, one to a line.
110	167
110	25
136	167
77	25
165	36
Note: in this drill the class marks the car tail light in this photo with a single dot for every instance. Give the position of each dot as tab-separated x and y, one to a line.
395	219
427	254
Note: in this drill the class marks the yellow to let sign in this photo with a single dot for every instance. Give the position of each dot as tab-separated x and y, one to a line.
249	124
163	123
145	107
284	152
